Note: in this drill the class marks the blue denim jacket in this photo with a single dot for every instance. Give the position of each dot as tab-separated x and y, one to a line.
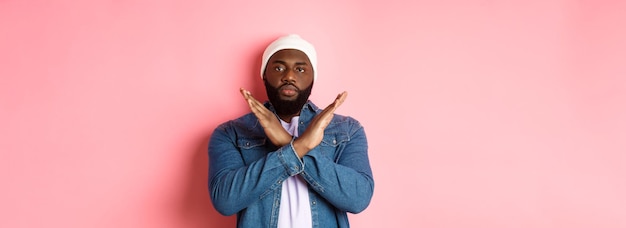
246	171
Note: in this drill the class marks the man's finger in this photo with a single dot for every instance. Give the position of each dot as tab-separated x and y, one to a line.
255	106
244	92
338	101
340	98
248	96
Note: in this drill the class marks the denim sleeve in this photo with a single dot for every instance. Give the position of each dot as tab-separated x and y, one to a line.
347	183
233	185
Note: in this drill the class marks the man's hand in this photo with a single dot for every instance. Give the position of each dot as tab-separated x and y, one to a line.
314	133
272	127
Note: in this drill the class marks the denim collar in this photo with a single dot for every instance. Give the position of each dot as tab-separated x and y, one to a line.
309	110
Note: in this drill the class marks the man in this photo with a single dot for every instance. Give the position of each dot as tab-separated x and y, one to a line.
287	163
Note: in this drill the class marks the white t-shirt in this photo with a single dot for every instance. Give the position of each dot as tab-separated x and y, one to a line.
295	210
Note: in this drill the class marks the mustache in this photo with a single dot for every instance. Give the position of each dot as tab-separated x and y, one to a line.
289	84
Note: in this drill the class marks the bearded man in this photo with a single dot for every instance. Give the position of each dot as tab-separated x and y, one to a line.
288	163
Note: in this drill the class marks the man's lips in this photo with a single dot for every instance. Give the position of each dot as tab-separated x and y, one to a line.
288	90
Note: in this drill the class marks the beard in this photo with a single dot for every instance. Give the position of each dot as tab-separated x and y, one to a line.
287	107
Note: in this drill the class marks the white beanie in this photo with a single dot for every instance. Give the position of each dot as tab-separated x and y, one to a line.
291	41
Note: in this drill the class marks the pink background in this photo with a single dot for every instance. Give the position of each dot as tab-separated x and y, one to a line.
479	113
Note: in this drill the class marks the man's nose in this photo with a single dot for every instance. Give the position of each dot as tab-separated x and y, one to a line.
289	76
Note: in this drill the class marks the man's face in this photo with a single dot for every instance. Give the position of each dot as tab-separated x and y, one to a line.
288	80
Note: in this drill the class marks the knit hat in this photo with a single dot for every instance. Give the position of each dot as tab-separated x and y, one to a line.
291	41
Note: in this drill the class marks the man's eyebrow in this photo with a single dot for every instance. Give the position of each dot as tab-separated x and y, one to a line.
285	63
279	61
301	63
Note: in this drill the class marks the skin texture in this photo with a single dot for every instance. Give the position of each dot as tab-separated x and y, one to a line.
284	107
290	70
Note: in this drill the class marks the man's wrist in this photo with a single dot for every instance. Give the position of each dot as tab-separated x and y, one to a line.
300	147
278	137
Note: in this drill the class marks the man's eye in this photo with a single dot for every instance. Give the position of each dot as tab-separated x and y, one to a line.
299	69
279	69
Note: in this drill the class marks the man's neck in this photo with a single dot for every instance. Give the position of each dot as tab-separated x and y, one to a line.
287	118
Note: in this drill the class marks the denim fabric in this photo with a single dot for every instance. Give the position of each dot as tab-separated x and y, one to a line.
246	171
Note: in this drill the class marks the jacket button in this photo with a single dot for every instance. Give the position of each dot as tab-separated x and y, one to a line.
334	141
247	143
314	202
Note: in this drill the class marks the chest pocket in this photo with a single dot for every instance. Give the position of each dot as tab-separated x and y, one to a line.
333	144
252	149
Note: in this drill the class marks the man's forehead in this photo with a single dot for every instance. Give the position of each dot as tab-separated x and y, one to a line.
290	54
